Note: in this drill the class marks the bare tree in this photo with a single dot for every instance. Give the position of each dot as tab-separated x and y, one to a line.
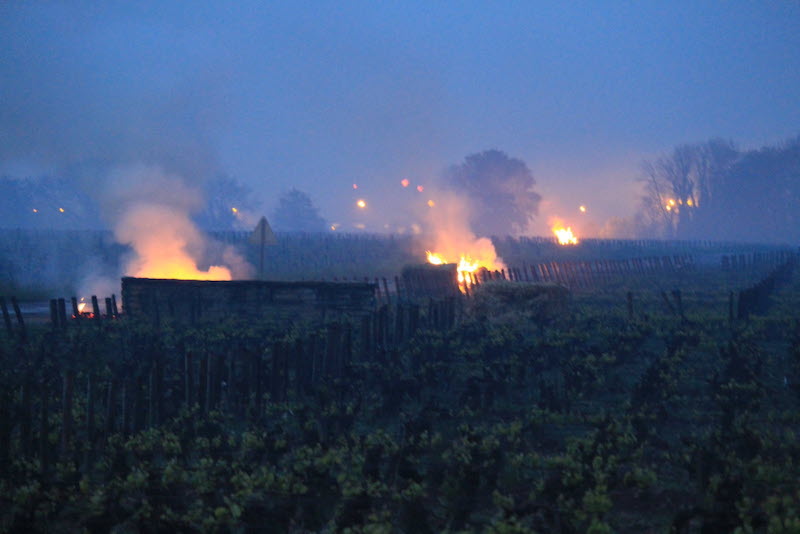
681	185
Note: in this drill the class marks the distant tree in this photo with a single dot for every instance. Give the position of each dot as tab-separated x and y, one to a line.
759	196
297	213
226	203
681	186
500	189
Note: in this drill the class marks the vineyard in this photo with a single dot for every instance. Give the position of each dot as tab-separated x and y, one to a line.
591	390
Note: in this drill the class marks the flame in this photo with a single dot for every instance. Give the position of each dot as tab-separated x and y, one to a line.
466	266
82	305
165	243
565	235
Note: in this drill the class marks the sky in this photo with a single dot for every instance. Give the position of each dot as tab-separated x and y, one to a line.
323	95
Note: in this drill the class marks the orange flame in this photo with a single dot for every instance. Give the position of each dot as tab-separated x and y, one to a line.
565	235
466	266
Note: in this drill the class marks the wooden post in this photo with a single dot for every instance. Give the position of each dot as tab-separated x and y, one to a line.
62	313
54	313
114	305
6	316
20	321
95	307
109	309
75	312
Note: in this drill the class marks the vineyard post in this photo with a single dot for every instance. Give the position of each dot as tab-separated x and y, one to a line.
62	313
6	316
54	314
75	312
20	320
95	307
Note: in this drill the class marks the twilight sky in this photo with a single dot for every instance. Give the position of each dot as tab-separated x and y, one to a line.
321	95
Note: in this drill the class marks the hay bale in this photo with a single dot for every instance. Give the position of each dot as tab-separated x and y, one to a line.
499	300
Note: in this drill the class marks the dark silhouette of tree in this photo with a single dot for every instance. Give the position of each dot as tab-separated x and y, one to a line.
680	187
226	203
759	196
500	189
297	213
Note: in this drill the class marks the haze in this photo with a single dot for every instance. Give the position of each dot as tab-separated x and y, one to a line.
319	96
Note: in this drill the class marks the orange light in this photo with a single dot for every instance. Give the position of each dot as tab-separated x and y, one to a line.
431	203
361	203
420	188
565	236
35	210
234	211
583	209
61	210
404	182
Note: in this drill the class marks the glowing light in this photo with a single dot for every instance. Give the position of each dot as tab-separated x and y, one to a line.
234	211
420	188
333	227
565	236
35	210
465	267
355	186
82	305
61	210
361	203
404	182
689	202
431	203
582	209
360	226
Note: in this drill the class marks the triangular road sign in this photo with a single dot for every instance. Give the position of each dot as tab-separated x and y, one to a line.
263	234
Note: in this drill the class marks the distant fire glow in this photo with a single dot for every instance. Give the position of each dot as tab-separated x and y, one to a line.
431	203
404	182
361	203
61	210
234	211
582	209
565	235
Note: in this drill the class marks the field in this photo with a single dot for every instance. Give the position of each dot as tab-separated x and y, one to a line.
639	401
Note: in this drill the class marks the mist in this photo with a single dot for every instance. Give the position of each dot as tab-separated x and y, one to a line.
283	97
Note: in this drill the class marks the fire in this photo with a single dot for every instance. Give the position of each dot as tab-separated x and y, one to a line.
82	305
165	244
466	266
565	235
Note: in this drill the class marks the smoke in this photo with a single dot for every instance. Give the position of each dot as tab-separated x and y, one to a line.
155	220
449	235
